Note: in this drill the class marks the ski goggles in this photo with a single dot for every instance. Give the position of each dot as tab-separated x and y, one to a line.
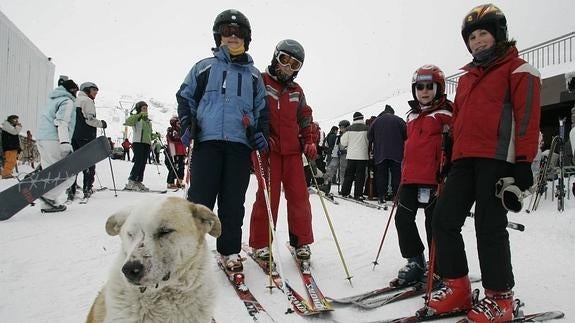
423	86
510	195
232	29
285	59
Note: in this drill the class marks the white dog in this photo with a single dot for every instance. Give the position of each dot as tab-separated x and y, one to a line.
163	272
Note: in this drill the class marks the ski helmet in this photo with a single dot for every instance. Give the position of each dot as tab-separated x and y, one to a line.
292	48
174	122
488	17
87	85
429	73
232	16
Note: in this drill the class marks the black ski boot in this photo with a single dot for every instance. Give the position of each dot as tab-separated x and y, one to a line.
412	273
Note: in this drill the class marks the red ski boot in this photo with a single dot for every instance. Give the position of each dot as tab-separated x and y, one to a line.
494	308
455	295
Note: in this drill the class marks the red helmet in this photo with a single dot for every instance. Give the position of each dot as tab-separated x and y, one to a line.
429	73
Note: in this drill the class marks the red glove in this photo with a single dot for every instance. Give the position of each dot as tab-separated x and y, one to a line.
310	151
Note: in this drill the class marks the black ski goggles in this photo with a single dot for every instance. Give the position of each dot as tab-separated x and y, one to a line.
232	29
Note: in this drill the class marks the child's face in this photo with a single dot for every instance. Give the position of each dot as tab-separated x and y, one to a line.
479	40
232	42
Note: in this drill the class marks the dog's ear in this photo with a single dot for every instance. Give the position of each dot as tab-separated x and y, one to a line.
208	221
115	222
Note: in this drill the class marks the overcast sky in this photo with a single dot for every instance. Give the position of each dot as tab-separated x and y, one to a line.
357	53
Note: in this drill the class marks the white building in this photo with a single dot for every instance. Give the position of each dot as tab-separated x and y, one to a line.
26	76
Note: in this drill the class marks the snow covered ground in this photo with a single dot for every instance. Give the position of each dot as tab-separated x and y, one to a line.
51	266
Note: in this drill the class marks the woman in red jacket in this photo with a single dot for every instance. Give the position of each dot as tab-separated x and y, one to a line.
429	117
495	131
290	121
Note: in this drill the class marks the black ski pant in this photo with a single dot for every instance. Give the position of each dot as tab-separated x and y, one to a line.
472	180
88	173
221	169
410	243
354	174
141	155
175	168
383	171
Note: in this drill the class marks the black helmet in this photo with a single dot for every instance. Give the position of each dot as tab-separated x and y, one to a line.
488	17
291	47
232	16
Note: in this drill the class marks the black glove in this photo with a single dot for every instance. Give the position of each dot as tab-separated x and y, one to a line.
442	172
523	175
104	124
259	142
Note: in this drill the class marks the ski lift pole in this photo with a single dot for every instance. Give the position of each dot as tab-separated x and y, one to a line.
329	223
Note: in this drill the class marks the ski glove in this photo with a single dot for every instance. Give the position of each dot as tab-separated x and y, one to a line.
259	142
523	175
65	149
104	124
310	151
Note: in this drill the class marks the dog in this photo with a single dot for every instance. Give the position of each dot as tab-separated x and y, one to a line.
162	272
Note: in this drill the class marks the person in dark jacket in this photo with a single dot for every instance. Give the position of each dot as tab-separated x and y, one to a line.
423	158
10	144
84	132
222	107
328	143
495	128
386	136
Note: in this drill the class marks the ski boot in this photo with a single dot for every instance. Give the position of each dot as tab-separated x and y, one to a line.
455	295
412	273
51	206
494	308
303	252
233	263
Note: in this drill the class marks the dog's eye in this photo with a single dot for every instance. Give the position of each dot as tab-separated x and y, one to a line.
162	232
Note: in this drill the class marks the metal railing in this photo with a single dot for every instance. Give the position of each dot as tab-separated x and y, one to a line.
552	52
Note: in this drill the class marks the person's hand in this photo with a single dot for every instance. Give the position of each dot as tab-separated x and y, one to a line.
523	175
104	124
259	142
186	137
273	144
65	149
310	151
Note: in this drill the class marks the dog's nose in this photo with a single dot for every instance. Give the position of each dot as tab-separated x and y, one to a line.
133	270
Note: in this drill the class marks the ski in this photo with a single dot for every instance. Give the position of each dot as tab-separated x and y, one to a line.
39	182
414	290
298	303
368	294
253	306
316	298
148	191
423	318
364	203
328	197
534	317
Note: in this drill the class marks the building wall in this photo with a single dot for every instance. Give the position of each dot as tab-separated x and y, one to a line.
26	76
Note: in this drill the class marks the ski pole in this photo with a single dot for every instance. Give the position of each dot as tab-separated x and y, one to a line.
330	224
111	169
375	263
271	224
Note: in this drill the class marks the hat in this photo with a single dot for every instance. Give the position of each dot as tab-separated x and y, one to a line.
139	105
69	85
389	109
357	116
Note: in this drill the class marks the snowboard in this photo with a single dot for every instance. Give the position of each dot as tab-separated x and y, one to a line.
38	183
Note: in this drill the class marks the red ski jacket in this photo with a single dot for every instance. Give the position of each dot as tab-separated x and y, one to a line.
289	116
497	111
422	151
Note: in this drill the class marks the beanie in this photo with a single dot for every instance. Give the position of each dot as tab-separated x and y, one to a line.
389	109
357	116
70	85
139	106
